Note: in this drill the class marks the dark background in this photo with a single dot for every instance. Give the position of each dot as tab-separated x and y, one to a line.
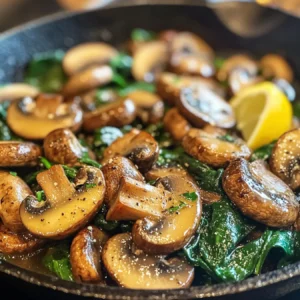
27	10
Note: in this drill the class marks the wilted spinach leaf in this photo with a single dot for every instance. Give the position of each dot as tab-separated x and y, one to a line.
122	64
138	85
263	152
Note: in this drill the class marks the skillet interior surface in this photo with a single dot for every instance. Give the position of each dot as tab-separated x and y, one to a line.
114	25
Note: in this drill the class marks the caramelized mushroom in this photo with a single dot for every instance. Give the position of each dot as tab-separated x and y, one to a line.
61	146
116	169
65	210
167	35
18	243
275	66
176	124
12	193
35	118
259	194
118	114
19	154
139	146
172	231
85	55
201	106
14	91
135	200
150	108
149	60
284	161
85	255
87	79
216	148
133	269
169	85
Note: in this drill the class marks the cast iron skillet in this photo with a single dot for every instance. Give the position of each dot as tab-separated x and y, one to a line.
114	25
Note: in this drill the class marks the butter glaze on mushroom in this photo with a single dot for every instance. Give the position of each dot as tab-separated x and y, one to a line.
215	147
259	194
88	54
284	161
66	210
19	154
35	118
120	258
139	146
85	255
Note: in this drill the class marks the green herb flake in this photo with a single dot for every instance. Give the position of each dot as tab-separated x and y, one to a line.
190	196
174	209
40	196
90	162
13	173
142	35
90	185
227	138
45	162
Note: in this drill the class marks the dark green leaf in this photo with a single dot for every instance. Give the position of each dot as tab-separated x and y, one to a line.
122	64
100	220
70	172
161	136
263	152
57	260
90	162
142	35
119	80
296	109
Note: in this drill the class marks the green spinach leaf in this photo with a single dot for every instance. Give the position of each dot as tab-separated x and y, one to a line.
263	152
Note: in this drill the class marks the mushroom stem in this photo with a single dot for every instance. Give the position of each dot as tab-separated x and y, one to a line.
55	184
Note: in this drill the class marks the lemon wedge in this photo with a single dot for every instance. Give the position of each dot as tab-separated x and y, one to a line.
263	113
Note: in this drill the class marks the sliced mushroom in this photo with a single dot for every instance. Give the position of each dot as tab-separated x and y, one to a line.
61	146
275	66
284	161
139	146
167	35
157	173
176	124
131	268
87	79
150	108
16	91
35	118
13	190
117	114
259	194
85	55
65	210
238	61
149	60
169	85
216	149
190	43
18	243
135	200
85	254
172	231
116	169
202	106
19	154
192	64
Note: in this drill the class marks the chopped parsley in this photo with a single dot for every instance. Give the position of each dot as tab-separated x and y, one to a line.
40	196
190	196
90	185
13	173
227	138
176	208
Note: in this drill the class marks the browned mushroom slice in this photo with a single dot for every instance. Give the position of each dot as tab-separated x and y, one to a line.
65	210
157	173
18	243
15	91
284	161
274	65
169	85
35	118
238	61
135	200
202	106
215	149
192	64
61	146
117	114
12	193
172	231
139	146
176	124
149	60
85	254
116	169
190	43
259	194
150	108
19	154
85	55
87	79
131	268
